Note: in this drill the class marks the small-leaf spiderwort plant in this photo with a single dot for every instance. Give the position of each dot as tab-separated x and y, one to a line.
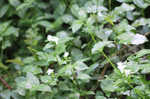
74	49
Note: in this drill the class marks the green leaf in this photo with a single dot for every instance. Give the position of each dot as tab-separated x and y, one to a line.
21	91
100	97
75	9
92	68
66	70
76	25
48	80
3	10
42	87
45	24
60	48
11	31
140	3
6	44
108	85
145	68
67	18
133	67
79	66
60	9
3	66
125	38
98	47
48	46
142	52
7	94
76	54
130	38
141	22
123	26
84	77
32	69
15	3
4	26
127	7
32	81
16	61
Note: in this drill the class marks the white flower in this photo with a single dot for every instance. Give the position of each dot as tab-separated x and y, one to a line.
100	14
53	39
49	71
64	62
82	13
28	85
92	9
121	67
66	54
126	93
127	72
138	39
111	45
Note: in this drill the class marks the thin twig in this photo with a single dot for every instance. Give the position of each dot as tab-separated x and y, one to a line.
103	72
5	83
146	34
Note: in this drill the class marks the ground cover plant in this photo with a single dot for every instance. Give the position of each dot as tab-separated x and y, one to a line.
74	49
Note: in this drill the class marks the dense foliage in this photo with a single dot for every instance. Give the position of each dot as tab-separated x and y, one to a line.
74	49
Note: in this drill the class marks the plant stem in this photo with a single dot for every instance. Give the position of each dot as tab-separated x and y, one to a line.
109	4
1	51
107	58
142	11
93	38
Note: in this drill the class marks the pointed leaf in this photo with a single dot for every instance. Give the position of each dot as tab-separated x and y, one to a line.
76	25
